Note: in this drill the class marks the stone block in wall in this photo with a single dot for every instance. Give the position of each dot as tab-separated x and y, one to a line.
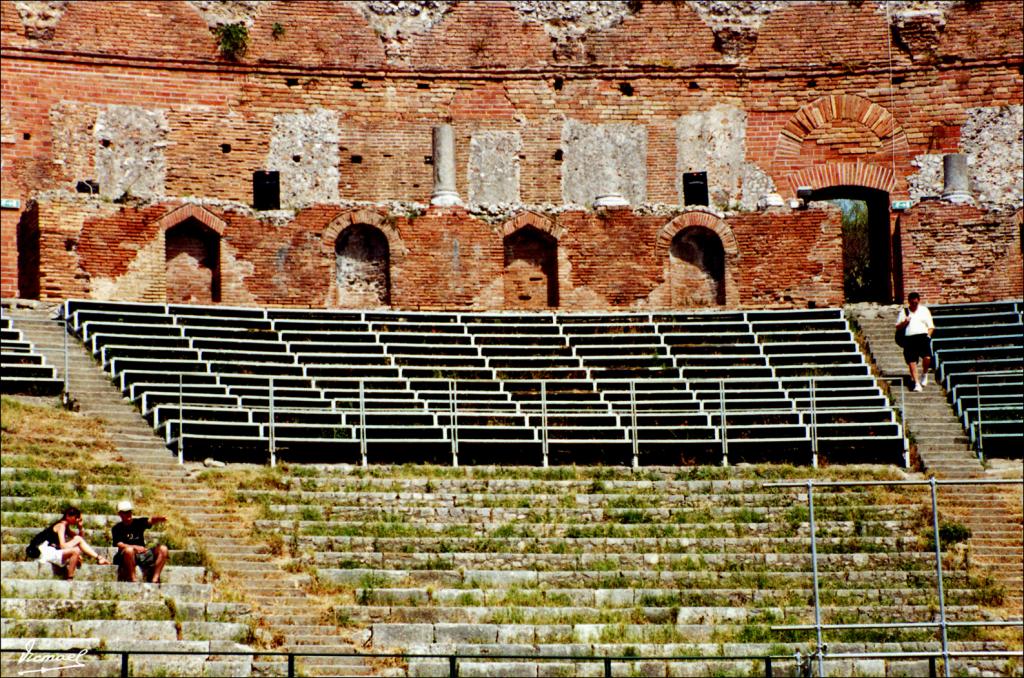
72	126
494	168
993	139
130	151
603	159
714	140
927	181
304	149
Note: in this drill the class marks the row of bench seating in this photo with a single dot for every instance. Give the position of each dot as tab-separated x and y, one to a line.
979	353
493	387
24	369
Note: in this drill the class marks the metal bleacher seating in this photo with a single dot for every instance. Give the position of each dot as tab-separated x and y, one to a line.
614	388
23	368
979	356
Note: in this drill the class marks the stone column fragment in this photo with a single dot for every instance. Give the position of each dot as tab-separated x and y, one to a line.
445	193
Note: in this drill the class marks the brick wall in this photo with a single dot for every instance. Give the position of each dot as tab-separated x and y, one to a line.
822	107
955	254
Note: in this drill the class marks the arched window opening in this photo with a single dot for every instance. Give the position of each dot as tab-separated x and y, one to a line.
192	263
363	267
531	269
697	268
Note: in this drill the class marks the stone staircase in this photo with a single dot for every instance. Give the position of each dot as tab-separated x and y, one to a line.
289	619
992	513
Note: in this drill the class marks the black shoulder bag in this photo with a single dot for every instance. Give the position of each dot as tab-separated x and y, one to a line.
901	332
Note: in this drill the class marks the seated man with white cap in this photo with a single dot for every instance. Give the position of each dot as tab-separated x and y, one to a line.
129	538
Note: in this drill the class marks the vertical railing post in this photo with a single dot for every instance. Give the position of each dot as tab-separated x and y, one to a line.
981	436
768	667
453	395
814	427
932	672
291	665
124	665
608	667
453	666
544	420
362	423
903	405
181	418
938	573
633	426
721	422
272	443
66	396
814	572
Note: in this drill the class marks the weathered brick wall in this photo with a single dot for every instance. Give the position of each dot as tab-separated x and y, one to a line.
761	95
444	258
962	253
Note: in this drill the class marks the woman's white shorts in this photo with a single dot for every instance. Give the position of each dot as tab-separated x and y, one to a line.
51	555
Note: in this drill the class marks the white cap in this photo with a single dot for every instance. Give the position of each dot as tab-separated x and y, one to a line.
124	506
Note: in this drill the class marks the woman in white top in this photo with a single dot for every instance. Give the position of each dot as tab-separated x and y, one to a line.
917	320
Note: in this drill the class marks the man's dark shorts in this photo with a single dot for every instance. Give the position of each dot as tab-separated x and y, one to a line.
916	347
144	560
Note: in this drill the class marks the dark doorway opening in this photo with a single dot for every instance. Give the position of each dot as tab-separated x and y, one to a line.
867	244
28	254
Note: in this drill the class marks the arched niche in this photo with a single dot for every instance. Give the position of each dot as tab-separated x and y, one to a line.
531	269
700	256
697	268
192	263
362	267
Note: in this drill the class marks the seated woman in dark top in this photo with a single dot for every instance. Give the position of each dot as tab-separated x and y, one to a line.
61	546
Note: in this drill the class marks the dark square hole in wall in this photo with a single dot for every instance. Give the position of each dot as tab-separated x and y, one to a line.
26	135
558	83
291	82
812	83
356	159
266	190
695	188
357	84
89	186
296	158
422	85
626	89
693	85
225	148
899	79
105	143
428	160
558	155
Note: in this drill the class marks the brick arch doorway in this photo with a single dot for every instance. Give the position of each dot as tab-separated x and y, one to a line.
531	269
868	262
362	261
697	268
192	263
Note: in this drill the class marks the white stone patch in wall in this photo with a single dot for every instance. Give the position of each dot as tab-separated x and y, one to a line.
603	159
494	167
714	141
40	17
735	23
395	20
130	152
927	181
304	149
565	21
222	12
993	139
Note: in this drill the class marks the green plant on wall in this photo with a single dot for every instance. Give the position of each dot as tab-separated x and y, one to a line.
277	30
232	39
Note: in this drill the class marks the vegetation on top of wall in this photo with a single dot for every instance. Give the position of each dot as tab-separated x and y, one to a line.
232	40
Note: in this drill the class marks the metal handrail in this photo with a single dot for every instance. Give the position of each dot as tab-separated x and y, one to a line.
821	651
454	658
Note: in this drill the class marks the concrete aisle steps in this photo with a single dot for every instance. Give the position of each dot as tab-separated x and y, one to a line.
945	451
279	600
